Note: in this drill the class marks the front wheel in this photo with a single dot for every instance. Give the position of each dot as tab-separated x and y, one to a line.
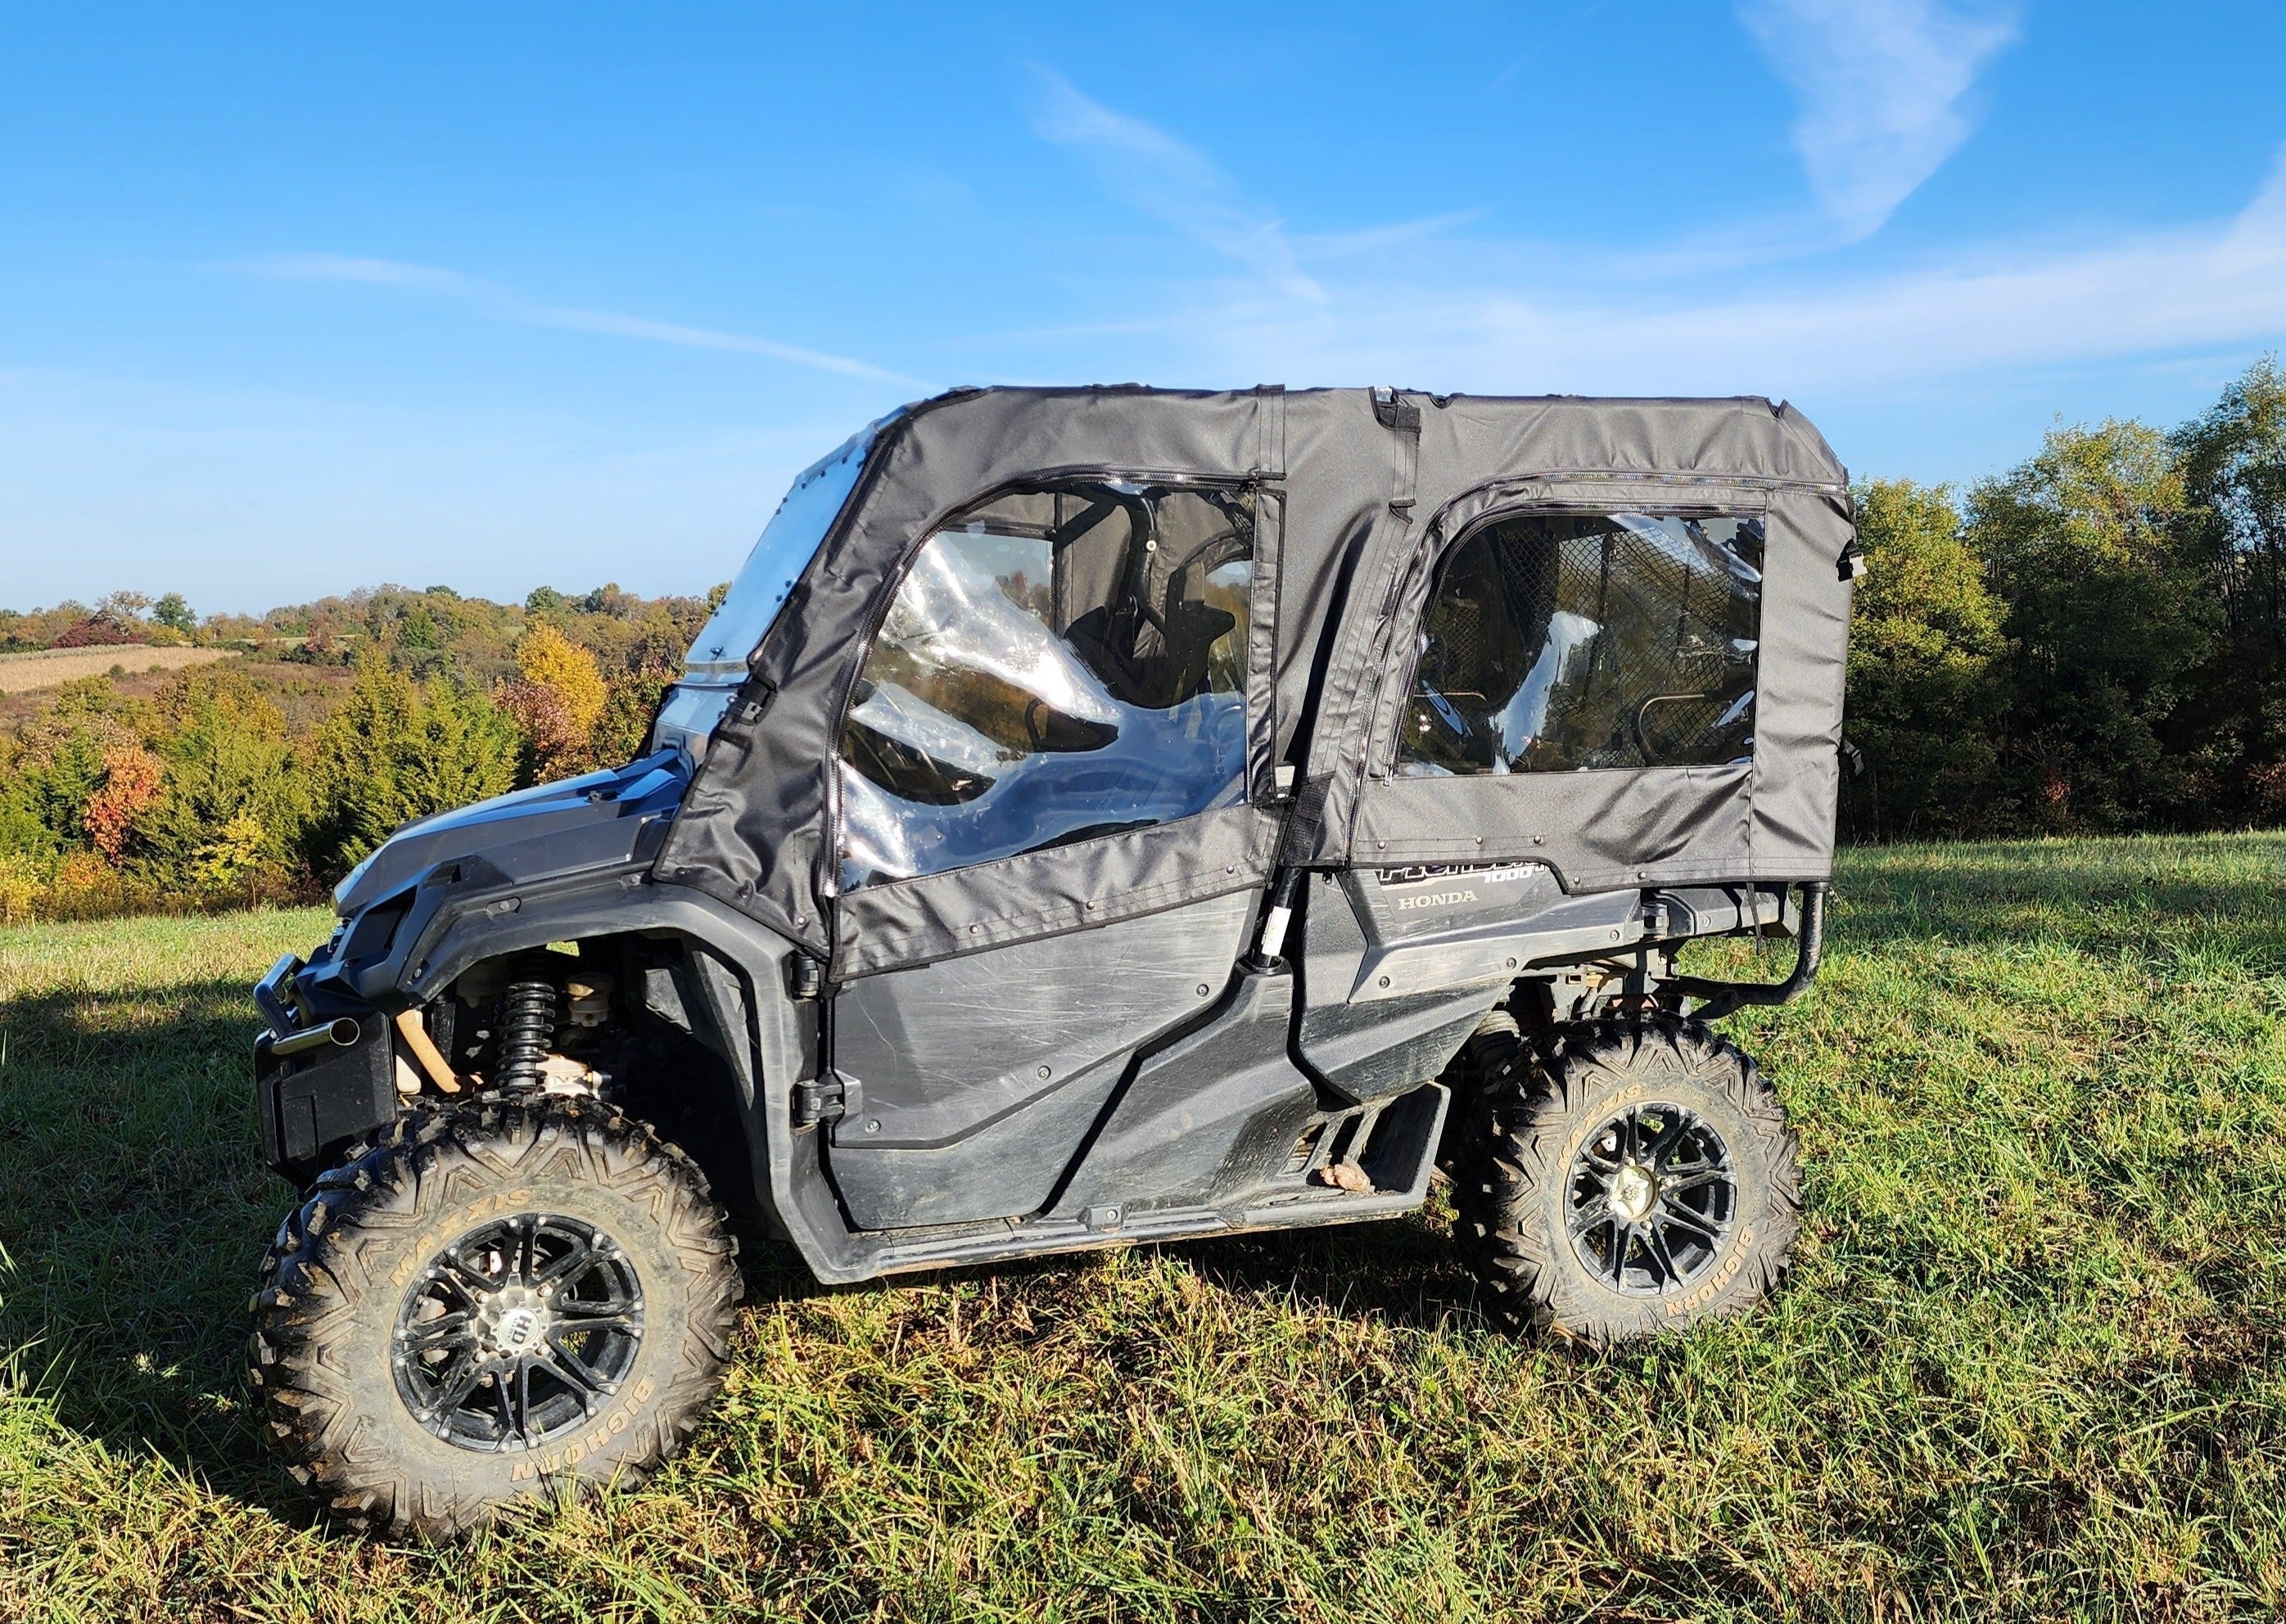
1623	1178
497	1301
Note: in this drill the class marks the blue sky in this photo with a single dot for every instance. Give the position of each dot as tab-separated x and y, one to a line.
300	299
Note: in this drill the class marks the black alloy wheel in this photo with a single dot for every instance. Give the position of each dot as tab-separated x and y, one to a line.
1618	1178
1651	1200
498	1300
517	1332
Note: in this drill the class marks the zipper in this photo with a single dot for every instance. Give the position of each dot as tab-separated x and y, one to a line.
1611	477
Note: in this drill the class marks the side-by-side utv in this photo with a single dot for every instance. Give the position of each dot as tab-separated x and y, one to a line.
1094	816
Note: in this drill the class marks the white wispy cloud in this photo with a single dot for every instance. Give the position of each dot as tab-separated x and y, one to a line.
2139	298
1420	305
2221	283
1535	316
1376	239
1173	182
1881	84
504	305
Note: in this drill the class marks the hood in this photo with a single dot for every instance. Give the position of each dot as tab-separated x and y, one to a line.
599	819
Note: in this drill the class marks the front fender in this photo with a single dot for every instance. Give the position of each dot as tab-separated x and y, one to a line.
781	1028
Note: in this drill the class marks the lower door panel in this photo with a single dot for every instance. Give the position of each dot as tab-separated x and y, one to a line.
978	1078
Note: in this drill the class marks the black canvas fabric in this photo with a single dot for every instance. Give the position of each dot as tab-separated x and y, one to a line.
1054	891
1359	499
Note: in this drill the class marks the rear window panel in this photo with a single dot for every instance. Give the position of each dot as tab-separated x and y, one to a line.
1575	641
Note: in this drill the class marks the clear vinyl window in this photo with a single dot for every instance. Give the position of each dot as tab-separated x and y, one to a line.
1559	642
1060	662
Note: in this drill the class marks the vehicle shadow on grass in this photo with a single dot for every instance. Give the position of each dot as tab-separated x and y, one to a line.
134	1209
1402	1271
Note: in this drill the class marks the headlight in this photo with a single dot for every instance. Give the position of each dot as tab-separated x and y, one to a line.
350	880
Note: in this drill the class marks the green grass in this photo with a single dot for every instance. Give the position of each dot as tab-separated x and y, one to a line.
2032	1363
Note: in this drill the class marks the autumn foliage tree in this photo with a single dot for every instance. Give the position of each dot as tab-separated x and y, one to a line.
268	776
237	799
132	783
556	700
396	750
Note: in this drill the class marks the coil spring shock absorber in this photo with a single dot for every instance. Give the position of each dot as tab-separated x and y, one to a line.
526	1027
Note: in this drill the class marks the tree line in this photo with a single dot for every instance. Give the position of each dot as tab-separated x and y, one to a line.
2093	641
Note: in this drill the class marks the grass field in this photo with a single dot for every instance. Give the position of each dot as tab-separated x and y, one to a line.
2032	1363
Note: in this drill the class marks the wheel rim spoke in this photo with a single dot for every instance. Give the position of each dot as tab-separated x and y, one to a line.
523	1399
1623	1235
447	1330
1656	1234
504	1401
1684	1217
1598	1211
464	1276
579	1257
570	1368
456	1380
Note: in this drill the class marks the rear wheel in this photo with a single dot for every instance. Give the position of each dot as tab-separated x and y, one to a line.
496	1301
1622	1178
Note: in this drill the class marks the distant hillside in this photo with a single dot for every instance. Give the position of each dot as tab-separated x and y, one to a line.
237	758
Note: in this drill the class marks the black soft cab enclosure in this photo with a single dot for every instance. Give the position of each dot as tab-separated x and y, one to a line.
1117	814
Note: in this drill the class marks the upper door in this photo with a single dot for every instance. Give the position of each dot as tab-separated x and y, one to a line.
1060	662
1051	727
1579	642
1577	678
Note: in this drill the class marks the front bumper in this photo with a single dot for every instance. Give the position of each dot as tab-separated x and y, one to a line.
322	1092
481	862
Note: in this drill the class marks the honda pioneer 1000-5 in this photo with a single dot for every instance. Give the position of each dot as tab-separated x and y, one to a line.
1094	816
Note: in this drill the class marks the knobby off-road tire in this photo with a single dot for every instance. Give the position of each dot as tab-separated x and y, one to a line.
574	1247
1563	1145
